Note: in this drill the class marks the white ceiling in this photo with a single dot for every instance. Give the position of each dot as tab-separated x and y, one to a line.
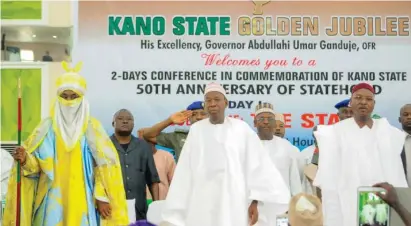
37	34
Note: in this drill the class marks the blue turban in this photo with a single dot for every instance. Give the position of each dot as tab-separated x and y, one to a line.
195	106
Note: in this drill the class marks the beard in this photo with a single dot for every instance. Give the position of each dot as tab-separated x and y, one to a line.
124	133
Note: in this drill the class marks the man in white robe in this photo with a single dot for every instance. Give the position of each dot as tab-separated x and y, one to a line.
223	173
359	151
282	153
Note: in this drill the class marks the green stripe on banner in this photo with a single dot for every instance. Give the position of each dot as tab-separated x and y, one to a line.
149	201
31	102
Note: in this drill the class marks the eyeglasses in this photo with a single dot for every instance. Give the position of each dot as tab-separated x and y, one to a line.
262	119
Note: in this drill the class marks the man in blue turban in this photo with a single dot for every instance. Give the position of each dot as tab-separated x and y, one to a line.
344	109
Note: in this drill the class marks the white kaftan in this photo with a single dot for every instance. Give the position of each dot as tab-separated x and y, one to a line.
305	158
284	157
352	157
222	168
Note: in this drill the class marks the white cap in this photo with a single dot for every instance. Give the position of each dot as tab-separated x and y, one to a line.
279	117
264	107
215	87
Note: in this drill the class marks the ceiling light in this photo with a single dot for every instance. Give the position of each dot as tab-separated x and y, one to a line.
54	36
33	36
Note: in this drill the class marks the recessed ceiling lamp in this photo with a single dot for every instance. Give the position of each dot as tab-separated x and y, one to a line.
33	36
54	36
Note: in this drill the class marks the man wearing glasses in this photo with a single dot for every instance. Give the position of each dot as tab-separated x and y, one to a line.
282	153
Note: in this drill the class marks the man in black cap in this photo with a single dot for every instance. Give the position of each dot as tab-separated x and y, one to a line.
174	140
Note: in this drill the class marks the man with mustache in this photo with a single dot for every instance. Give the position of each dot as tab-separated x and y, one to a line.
359	151
405	120
223	173
137	163
70	169
282	153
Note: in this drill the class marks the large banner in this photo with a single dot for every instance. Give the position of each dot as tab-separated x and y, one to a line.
155	57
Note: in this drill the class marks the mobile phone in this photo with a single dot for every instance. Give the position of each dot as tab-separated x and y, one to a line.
372	210
282	221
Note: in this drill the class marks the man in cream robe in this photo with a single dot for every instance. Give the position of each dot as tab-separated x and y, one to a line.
358	151
223	173
283	155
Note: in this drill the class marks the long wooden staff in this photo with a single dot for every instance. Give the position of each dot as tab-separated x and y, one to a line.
18	206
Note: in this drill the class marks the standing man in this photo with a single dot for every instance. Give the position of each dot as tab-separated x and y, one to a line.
405	120
47	57
359	151
344	109
137	163
279	130
223	173
282	153
175	140
69	167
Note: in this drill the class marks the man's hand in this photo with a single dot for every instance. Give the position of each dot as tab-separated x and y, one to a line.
104	209
140	133
180	117
20	155
390	195
253	213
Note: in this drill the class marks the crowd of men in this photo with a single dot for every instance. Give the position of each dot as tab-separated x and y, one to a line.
224	174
